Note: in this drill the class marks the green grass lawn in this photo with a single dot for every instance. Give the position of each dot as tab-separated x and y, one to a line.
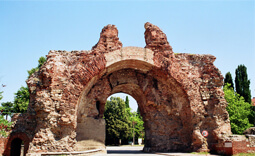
245	154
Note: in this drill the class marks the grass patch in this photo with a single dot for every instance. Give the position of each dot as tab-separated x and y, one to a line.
245	154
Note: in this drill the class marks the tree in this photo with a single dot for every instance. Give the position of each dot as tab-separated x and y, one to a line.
7	109
240	112
21	100
127	102
1	96
117	123
138	113
5	125
139	129
40	63
242	83
228	79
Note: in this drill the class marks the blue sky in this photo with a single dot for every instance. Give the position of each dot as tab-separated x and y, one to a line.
29	29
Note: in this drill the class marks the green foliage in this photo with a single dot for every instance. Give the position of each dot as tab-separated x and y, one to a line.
5	125
1	96
242	83
21	100
7	109
117	123
244	154
127	102
40	63
139	129
31	71
228	79
239	111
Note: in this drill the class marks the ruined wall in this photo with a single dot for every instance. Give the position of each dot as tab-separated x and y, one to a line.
235	144
23	126
179	95
3	142
202	82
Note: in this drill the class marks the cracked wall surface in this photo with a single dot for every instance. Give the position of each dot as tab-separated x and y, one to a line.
179	95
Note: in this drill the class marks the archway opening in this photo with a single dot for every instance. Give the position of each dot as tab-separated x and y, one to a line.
123	122
17	147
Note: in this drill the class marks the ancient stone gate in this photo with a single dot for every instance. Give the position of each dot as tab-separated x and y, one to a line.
179	95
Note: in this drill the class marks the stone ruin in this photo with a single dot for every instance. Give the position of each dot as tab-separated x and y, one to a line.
179	95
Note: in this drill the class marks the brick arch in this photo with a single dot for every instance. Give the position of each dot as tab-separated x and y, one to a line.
18	135
101	79
161	100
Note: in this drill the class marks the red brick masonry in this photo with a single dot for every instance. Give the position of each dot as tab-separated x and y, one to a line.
241	144
3	142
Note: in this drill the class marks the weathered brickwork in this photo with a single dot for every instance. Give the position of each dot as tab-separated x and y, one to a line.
3	142
179	95
237	144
